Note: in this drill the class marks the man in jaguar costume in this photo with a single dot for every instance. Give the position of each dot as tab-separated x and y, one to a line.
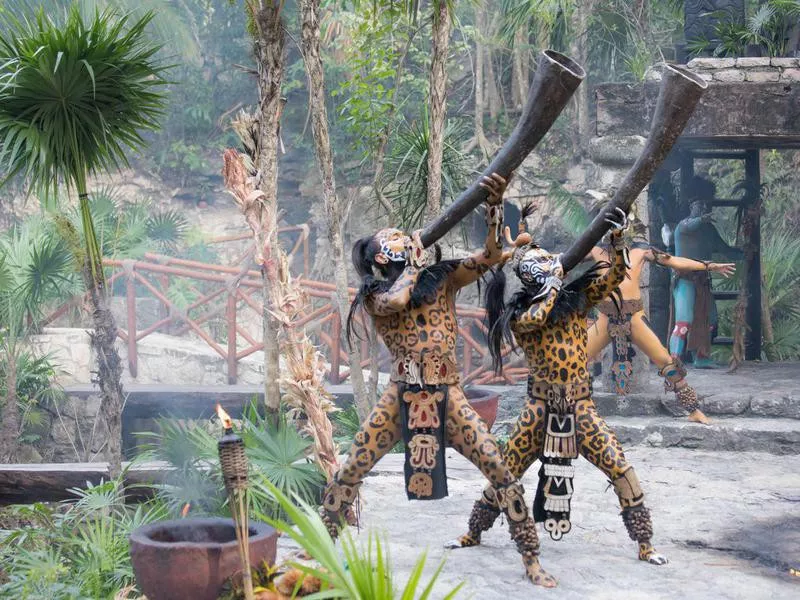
412	304
548	321
624	324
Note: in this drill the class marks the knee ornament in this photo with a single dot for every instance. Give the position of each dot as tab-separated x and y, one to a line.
628	489
337	500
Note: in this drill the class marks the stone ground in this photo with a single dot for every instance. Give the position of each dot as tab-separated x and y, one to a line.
729	522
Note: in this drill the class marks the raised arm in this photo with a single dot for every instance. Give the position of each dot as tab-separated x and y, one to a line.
396	297
537	314
680	263
601	286
473	267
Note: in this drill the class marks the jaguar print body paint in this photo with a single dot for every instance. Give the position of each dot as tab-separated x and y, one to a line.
555	346
424	393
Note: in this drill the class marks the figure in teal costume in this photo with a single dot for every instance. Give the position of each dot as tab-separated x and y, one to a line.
695	311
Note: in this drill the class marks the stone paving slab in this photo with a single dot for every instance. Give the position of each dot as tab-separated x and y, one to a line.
729	523
737	434
754	389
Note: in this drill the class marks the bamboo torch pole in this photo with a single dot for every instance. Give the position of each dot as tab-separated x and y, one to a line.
234	472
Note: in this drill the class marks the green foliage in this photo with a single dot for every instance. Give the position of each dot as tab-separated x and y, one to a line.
276	453
35	389
74	95
360	573
574	215
166	229
407	169
346	424
780	246
76	551
768	27
36	269
127	229
181	160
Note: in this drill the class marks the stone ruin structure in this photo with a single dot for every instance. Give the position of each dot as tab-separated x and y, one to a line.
752	103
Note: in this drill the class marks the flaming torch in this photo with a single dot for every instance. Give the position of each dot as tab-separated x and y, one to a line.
233	461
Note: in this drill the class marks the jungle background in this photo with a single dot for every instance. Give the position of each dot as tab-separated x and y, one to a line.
381	103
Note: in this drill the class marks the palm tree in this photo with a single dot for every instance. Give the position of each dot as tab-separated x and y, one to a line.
74	96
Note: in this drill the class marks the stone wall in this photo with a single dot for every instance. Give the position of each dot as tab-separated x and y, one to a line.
746	69
161	359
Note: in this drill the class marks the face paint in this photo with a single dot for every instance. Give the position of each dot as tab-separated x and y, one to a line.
393	244
535	266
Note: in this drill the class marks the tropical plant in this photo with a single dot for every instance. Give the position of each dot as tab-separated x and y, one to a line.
35	269
277	453
780	272
358	573
768	27
36	389
74	96
77	550
407	169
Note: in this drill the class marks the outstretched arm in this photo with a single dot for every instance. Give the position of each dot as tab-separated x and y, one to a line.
601	286
473	267
680	263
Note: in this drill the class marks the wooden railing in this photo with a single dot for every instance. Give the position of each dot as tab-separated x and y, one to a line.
233	295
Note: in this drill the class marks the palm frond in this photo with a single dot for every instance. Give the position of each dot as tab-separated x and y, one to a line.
571	210
407	169
361	572
760	20
166	229
74	95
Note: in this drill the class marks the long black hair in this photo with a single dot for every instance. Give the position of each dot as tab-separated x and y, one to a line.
500	314
429	281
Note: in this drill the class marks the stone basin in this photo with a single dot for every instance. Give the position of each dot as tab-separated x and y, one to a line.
193	557
484	401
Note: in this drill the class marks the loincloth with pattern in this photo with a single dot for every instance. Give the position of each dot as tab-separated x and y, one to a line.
423	381
619	330
554	491
425	368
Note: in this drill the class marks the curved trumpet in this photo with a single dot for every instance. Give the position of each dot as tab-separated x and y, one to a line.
680	92
557	77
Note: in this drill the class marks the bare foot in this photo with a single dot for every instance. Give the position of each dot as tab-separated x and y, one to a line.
649	554
697	416
465	541
537	575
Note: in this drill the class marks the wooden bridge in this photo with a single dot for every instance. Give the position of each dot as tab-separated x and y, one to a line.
229	297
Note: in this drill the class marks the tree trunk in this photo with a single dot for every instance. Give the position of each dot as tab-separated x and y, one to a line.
109	371
494	100
579	51
479	138
103	339
322	144
9	434
438	107
519	74
380	153
269	48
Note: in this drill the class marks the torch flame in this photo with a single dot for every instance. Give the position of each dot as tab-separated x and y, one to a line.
227	423
185	510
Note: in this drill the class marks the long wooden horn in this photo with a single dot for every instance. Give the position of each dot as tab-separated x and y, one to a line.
680	92
557	77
